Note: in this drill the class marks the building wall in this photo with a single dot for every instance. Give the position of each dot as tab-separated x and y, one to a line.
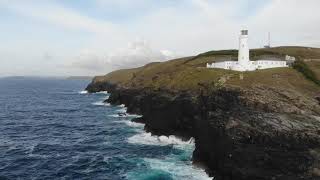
266	64
223	65
244	63
250	66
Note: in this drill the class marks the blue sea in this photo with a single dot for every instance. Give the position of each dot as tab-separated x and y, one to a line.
50	128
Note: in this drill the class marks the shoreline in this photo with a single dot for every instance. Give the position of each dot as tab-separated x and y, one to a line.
227	130
163	140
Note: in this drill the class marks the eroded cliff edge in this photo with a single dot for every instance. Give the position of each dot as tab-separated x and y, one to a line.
261	125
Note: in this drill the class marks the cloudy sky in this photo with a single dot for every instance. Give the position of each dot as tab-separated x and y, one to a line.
82	37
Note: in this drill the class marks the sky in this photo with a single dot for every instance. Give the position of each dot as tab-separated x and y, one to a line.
82	37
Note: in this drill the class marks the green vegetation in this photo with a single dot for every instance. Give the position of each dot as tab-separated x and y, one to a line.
314	67
306	71
190	74
232	52
296	51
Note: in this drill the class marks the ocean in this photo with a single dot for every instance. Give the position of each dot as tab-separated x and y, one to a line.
50	128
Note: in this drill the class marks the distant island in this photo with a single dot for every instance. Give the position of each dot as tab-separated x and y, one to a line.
256	125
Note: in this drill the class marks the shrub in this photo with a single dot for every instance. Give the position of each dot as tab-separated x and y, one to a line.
306	71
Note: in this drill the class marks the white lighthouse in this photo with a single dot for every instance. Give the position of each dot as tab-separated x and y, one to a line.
243	55
244	63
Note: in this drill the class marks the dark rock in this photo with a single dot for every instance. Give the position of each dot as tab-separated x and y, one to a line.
235	137
318	99
139	120
100	86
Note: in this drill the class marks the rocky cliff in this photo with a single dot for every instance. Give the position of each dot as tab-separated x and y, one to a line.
247	126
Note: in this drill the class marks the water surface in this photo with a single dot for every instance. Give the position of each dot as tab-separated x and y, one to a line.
49	129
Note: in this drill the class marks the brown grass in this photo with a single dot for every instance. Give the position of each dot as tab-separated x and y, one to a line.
314	65
188	73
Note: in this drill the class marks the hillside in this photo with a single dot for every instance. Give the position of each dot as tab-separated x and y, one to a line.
189	73
258	125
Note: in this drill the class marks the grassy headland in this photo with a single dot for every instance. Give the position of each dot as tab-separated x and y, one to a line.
265	119
190	74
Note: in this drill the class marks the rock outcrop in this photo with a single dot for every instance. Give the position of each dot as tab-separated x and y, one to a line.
244	134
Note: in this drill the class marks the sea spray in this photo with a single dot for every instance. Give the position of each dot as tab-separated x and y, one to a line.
100	103
83	92
148	139
102	92
175	166
121	114
179	170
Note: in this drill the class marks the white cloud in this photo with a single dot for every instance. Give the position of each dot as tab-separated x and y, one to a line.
137	53
291	22
185	28
89	61
49	12
123	4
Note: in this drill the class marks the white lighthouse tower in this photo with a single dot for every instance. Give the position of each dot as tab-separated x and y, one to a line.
244	63
243	55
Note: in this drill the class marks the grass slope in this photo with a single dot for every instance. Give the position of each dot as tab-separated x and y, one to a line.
190	73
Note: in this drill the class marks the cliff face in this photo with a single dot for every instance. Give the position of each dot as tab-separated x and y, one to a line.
247	126
234	138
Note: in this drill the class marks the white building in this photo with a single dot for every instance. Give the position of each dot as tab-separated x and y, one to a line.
244	63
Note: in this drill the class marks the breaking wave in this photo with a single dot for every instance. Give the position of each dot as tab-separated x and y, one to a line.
131	124
86	92
175	166
89	144
121	105
178	170
148	139
102	92
83	92
101	103
124	115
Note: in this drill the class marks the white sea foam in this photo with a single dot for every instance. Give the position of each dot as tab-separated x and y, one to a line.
148	139
134	115
134	124
116	116
122	105
123	110
102	92
86	92
131	124
100	103
178	169
83	92
126	115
